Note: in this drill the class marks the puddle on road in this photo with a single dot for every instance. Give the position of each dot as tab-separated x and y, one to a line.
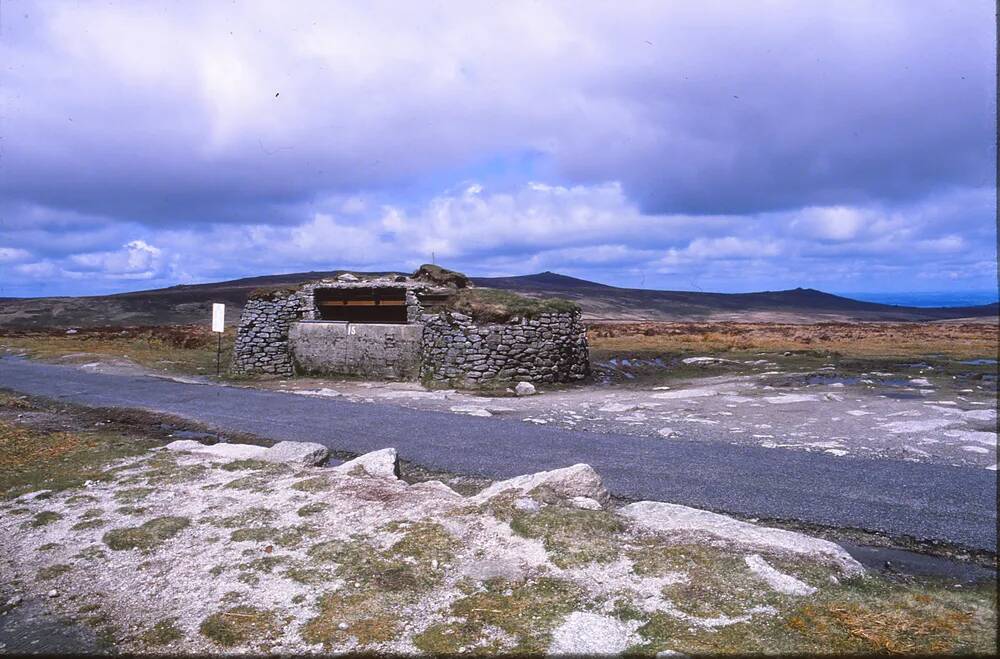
832	379
890	562
894	382
979	362
903	395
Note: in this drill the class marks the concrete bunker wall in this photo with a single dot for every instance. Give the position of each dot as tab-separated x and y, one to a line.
373	350
549	348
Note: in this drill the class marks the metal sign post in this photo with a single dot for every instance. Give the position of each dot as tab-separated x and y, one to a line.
218	326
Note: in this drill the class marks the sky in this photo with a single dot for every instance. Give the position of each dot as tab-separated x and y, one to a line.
845	146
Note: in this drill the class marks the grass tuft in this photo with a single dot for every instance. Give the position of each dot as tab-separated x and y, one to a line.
378	583
527	611
162	633
572	537
53	571
148	536
43	518
314	484
240	625
312	509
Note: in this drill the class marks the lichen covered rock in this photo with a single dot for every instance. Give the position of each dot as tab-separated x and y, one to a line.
299	453
580	480
669	517
378	464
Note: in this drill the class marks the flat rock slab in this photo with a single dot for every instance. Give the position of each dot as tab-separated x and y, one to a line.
298	453
471	410
666	517
301	453
231	451
380	464
580	480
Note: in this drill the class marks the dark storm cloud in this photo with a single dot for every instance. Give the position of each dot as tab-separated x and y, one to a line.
809	105
134	135
695	108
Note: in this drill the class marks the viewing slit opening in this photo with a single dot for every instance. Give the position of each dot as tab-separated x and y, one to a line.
362	305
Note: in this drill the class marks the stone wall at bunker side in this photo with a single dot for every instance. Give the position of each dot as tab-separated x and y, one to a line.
551	347
261	345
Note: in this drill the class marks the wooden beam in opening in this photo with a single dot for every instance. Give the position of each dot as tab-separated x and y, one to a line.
363	303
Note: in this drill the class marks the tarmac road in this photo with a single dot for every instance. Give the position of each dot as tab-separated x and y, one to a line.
933	502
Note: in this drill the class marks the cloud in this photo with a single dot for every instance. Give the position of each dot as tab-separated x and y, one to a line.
836	224
172	113
588	231
944	244
732	247
135	260
13	255
752	146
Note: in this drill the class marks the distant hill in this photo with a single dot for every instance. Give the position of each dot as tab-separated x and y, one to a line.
601	301
186	304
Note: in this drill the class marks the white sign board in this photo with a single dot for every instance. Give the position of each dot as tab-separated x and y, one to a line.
218	317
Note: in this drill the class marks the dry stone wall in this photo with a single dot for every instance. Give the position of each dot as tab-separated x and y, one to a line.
262	337
549	348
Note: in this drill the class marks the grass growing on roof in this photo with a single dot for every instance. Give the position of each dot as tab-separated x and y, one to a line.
495	306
